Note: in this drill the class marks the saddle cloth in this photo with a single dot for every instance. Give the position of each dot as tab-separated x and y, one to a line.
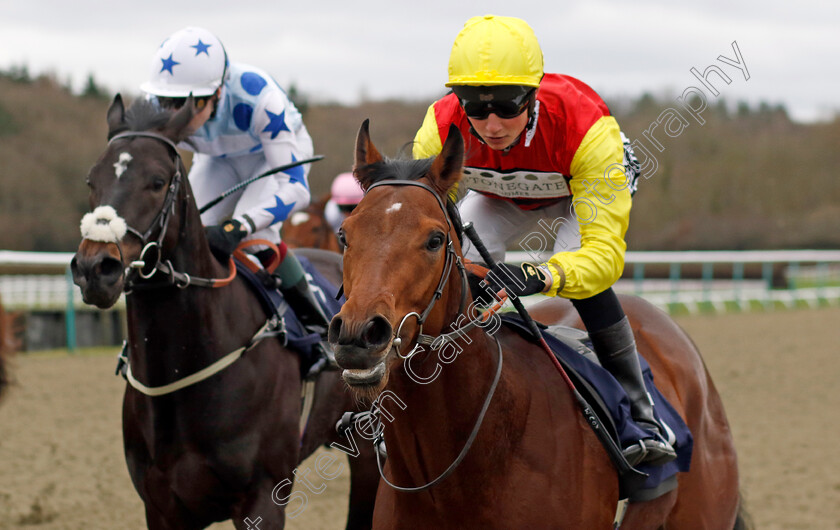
297	338
609	401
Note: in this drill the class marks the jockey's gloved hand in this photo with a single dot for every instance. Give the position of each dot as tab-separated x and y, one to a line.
224	238
519	280
482	293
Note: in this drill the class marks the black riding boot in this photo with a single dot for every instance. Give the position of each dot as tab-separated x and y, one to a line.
296	292
616	349
301	299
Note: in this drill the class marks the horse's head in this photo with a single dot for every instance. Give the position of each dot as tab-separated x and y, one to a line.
133	188
401	245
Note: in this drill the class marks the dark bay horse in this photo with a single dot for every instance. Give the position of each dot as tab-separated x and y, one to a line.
227	446
533	462
309	228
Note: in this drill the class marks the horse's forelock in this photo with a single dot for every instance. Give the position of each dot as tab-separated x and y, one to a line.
400	169
144	115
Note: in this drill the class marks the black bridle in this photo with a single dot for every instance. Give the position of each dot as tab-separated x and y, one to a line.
150	260
451	258
143	266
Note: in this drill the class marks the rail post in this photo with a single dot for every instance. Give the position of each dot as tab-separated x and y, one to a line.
70	313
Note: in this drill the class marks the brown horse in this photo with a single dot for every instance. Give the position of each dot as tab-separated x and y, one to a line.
309	228
533	462
224	446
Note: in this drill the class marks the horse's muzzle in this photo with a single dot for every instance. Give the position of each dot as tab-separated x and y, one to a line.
365	378
100	277
360	346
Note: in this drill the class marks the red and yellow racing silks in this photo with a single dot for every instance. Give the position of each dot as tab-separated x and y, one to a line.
573	148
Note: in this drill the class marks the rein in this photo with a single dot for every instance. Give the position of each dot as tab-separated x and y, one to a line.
451	257
150	261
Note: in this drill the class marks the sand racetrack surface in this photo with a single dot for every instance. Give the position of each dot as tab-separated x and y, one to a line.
62	467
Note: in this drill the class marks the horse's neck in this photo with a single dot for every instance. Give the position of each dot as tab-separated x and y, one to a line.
439	415
173	332
531	418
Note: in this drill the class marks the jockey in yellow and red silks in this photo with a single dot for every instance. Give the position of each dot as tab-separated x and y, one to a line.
544	153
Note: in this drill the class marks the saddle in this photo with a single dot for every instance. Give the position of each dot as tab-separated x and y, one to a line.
608	400
295	335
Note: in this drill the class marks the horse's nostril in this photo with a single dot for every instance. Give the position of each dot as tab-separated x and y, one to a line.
377	332
334	333
110	267
78	274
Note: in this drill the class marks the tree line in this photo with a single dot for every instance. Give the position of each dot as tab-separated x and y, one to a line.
747	178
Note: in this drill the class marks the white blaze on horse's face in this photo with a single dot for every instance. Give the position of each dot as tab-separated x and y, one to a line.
394	207
122	164
103	225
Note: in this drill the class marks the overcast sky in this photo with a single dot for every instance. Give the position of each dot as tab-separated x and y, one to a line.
341	50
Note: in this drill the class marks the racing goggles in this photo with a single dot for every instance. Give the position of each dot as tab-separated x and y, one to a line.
505	101
177	103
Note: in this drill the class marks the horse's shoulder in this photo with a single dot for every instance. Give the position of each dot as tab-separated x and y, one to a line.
553	311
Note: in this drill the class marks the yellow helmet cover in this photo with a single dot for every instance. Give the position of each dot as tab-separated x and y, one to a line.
492	50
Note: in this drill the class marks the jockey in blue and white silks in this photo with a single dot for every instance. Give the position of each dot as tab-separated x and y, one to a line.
252	127
255	128
244	125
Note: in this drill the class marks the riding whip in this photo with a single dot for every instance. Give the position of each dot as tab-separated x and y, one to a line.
242	184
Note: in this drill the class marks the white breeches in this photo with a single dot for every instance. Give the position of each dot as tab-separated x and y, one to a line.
502	225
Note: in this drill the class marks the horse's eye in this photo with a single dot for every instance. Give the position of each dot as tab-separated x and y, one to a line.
88	183
158	184
342	238
435	242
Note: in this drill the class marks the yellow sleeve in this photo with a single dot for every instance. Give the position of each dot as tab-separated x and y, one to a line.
427	143
427	140
602	204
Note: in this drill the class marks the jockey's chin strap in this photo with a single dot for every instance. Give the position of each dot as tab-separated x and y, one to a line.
150	260
451	258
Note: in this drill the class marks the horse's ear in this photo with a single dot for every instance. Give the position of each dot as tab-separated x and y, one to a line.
366	154
176	128
449	164
116	116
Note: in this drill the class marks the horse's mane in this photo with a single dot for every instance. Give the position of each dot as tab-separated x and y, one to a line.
145	115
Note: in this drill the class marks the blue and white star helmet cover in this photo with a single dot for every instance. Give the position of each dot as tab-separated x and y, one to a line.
191	61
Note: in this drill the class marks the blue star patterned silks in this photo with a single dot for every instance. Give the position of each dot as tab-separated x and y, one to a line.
252	83
242	113
201	48
280	210
296	174
168	63
277	123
